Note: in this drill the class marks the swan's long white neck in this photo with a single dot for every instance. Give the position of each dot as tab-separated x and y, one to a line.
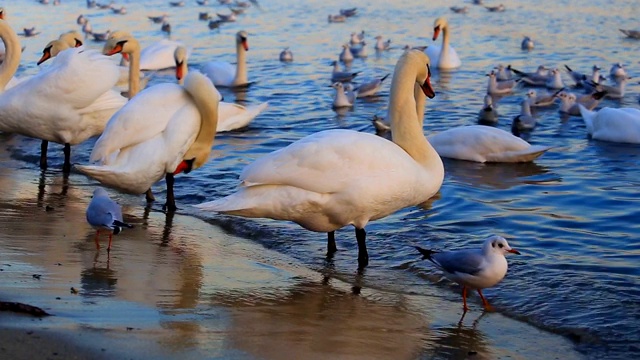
444	51
406	126
134	68
12	54
241	71
202	92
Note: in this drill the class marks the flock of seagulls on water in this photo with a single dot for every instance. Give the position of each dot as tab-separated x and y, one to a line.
163	130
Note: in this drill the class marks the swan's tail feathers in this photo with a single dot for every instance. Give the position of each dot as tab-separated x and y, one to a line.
114	178
587	117
529	154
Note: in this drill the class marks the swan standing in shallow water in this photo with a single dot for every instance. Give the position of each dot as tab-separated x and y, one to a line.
67	103
336	178
615	125
162	131
224	74
444	56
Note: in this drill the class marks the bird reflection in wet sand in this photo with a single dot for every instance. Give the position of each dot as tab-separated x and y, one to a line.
459	342
99	279
53	200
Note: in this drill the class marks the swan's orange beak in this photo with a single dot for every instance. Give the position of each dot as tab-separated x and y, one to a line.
436	32
46	55
125	56
2	15
181	167
427	89
245	45
179	70
116	49
78	43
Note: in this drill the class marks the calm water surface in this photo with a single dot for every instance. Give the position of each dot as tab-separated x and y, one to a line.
573	213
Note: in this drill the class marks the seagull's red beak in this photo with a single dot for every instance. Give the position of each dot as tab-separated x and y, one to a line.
514	251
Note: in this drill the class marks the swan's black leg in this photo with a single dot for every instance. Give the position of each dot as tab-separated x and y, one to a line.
66	167
170	205
363	255
331	243
43	154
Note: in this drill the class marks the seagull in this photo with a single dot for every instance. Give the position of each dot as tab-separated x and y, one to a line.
337	18
343	98
527	43
81	20
617	71
286	55
370	88
91	4
346	55
542	99
569	102
166	27
488	114
341	76
158	19
214	24
537	78
504	73
29	32
227	18
105	214
361	51
499	8
349	12
633	34
120	11
382	45
202	2
555	80
495	87
580	78
474	268
176	3
459	9
525	122
204	16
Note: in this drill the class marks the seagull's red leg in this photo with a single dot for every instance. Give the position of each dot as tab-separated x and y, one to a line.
464	298
487	307
110	237
97	239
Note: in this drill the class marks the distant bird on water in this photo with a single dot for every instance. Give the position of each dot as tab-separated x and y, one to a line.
105	214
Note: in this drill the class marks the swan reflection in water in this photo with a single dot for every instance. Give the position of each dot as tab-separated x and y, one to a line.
497	175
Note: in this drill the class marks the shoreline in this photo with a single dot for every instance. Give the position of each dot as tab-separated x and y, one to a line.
176	286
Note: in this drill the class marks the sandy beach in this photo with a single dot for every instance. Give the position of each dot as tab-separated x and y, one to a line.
179	287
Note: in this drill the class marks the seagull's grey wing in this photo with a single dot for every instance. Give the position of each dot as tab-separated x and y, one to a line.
102	211
463	261
371	85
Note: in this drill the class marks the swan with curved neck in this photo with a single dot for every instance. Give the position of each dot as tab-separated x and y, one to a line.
66	103
444	56
227	75
162	131
66	40
230	116
336	178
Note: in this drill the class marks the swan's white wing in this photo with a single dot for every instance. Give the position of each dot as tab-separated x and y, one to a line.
332	161
142	118
617	125
159	55
220	72
233	116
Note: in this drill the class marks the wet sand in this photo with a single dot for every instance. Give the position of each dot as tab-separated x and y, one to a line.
178	287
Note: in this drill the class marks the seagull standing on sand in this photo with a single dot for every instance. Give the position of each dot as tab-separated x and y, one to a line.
474	268
105	214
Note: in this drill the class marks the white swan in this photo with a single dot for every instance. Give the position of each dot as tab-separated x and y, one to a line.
482	143
336	178
444	56
610	124
66	103
159	55
162	131
224	74
230	116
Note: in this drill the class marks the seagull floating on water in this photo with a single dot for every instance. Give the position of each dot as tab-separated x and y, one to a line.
474	268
